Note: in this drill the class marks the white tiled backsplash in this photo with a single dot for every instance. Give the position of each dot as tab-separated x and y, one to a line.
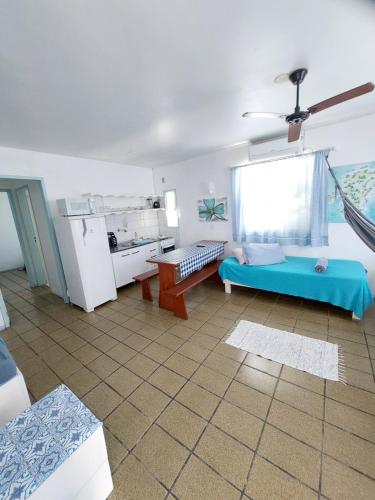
147	224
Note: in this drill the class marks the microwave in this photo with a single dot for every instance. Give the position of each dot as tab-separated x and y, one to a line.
76	206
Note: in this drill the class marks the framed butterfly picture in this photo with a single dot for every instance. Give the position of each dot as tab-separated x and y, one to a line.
213	210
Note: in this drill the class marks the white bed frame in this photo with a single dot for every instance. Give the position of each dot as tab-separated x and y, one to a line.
228	289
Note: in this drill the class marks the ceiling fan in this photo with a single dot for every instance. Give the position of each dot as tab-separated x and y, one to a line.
296	118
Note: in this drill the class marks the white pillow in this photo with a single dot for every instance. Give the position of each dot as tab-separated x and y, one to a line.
263	254
238	253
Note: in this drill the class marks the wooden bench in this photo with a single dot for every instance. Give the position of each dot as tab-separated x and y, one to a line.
144	278
178	291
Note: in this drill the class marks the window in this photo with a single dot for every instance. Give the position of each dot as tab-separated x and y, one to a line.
280	201
171	208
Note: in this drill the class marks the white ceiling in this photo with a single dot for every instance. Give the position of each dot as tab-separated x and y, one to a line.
150	82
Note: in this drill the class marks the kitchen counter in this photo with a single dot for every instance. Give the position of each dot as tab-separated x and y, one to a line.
137	243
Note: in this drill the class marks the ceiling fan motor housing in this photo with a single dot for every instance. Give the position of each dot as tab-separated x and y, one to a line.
297	117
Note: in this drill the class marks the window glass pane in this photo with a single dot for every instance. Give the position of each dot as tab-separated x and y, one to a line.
171	208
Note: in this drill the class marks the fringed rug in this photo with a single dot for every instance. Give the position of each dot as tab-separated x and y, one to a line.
317	357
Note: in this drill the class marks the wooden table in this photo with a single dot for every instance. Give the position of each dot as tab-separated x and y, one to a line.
186	263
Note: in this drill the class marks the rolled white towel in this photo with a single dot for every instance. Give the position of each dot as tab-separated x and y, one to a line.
321	265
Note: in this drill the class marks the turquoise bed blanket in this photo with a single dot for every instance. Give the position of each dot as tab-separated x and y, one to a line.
344	284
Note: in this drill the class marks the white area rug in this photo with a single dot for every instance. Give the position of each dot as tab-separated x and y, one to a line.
304	353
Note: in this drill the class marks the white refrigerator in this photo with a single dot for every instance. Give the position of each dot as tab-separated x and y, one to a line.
86	260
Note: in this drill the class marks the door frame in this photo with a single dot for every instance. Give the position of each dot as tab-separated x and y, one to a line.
36	256
51	228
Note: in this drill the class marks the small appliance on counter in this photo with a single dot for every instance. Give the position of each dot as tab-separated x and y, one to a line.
76	206
112	240
156	204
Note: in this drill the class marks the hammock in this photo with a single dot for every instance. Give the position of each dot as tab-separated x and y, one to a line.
360	224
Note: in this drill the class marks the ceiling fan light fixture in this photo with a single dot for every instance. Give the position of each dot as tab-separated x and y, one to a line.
262	114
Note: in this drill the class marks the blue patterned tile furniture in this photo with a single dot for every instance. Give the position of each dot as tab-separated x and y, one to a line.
36	442
193	257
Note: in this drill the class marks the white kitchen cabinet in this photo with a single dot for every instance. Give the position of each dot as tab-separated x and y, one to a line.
129	263
152	250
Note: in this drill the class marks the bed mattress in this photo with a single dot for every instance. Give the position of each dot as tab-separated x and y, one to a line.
344	284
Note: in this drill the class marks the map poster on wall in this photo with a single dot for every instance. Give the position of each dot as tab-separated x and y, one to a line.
213	209
358	183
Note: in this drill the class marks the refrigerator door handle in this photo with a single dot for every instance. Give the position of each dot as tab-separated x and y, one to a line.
84	231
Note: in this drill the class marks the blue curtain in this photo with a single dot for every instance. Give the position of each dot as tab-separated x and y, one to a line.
281	201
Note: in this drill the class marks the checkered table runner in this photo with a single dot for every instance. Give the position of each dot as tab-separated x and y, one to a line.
193	257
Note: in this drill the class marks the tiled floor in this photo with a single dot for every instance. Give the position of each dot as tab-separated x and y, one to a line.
187	416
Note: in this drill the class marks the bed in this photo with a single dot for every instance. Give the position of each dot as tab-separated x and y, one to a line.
344	284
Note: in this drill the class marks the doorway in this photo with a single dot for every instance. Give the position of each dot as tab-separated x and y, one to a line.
36	234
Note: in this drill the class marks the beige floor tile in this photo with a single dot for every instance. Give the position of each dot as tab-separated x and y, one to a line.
170	341
82	381
303	379
350	419
230	352
291	455
248	399
199	482
123	381
238	423
352	396
215	330
181	331
105	325
161	454
103	366
228	457
167	381
66	366
262	364
132	481
104	342
42	382
257	380
53	354
137	342
151	332
149	400
351	450
194	352
210	380
198	399
357	362
221	364
349	347
121	353
300	398
359	379
118	318
182	424
133	324
120	333
87	353
296	423
181	365
267	482
205	341
342	483
128	424
102	400
142	366
157	352
116	451
71	344
39	345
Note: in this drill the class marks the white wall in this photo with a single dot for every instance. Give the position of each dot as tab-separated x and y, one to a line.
353	142
10	249
66	176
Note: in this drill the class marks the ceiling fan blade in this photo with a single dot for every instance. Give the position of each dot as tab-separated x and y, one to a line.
262	114
345	96
294	131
